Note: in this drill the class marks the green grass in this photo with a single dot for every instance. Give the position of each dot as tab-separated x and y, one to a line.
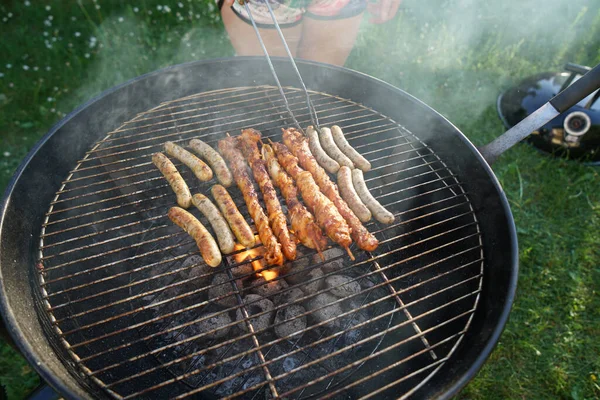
455	55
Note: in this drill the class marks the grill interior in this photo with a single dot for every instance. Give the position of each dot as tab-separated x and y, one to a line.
130	303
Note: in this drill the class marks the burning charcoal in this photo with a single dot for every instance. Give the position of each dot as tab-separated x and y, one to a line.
342	286
296	324
215	321
289	296
220	286
313	286
242	266
268	289
295	274
325	313
199	270
256	304
242	271
334	259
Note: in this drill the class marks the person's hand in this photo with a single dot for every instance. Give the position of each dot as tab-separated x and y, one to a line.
383	10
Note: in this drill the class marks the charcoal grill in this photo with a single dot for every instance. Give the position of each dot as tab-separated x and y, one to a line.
100	295
125	309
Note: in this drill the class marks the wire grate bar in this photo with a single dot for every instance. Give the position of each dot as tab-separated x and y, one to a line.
258	314
358	362
384	241
323	340
172	235
368	305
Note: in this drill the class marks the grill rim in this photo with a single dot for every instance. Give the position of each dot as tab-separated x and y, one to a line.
57	377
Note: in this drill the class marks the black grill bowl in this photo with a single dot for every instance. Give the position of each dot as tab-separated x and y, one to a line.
40	175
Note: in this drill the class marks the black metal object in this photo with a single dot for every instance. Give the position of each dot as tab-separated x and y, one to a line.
575	133
41	174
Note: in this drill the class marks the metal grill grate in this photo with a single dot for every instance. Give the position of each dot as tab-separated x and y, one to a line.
132	308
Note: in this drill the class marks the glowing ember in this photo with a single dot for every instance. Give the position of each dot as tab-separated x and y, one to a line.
268	274
256	264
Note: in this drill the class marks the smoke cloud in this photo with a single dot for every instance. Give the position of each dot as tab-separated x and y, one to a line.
459	54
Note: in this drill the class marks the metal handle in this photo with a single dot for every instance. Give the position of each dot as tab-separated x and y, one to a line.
566	99
311	109
577	69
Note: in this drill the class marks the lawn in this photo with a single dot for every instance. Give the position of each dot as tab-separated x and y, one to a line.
456	55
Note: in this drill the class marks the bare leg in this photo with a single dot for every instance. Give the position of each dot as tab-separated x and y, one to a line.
328	41
244	40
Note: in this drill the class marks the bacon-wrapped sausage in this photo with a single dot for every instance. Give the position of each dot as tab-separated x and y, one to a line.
302	220
298	145
249	145
228	148
323	209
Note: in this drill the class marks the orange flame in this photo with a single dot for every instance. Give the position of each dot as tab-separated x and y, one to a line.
256	264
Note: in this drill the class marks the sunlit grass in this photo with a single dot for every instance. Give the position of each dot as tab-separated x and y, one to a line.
455	55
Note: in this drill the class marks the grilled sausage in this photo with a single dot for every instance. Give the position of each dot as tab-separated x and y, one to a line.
379	212
248	142
344	180
229	148
347	149
303	223
198	167
166	167
206	243
218	223
297	144
214	159
236	221
331	148
325	212
322	157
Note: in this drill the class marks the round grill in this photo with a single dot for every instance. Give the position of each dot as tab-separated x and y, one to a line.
131	308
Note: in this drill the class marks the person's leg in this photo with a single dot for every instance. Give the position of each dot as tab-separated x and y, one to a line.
328	40
244	40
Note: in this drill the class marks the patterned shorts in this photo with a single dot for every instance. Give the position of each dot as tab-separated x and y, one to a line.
291	12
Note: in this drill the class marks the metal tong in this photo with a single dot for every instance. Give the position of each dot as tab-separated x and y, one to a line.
311	109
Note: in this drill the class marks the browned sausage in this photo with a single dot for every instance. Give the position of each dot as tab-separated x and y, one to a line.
214	159
298	145
206	243
198	167
166	167
218	223
236	221
228	147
